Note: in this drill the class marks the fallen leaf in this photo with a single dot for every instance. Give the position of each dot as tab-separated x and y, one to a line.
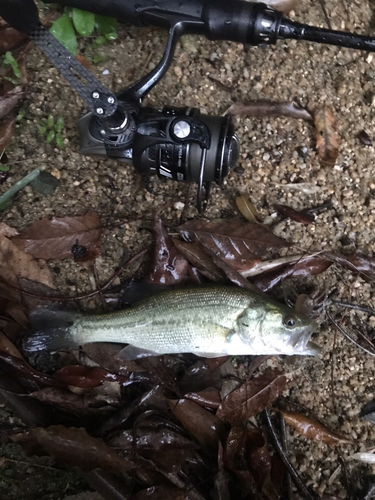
10	100
234	275
143	438
209	398
7	347
200	423
364	138
251	397
73	448
7	231
246	208
198	257
235	241
22	372
162	493
105	355
9	37
221	479
16	264
309	265
82	59
357	262
265	108
298	216
313	430
83	376
327	139
53	239
198	377
77	404
7	126
167	266
246	451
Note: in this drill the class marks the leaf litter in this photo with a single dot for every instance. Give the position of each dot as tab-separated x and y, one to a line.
54	239
176	423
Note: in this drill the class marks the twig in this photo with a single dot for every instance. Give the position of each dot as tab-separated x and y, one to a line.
187	195
284	440
77	297
322	4
98	287
346	335
365	309
292	471
332	372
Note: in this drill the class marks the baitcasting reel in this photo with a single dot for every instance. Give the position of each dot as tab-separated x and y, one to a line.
175	143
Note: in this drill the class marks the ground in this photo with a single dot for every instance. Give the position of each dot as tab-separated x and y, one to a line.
273	152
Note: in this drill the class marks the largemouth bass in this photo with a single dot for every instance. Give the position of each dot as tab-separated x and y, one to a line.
208	321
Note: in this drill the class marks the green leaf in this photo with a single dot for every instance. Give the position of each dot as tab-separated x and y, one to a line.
84	22
99	41
59	124
59	140
50	121
111	36
105	25
4	168
42	130
50	136
9	59
63	30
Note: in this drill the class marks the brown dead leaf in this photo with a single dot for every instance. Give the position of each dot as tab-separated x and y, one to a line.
72	447
14	265
308	265
8	347
314	430
54	239
7	130
198	257
296	215
233	240
327	139
10	100
167	266
251	397
9	37
246	208
265	108
357	262
200	423
8	231
82	59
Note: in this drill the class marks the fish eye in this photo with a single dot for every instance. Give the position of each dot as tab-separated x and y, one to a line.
289	321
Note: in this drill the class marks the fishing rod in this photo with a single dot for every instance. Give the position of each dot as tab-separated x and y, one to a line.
176	143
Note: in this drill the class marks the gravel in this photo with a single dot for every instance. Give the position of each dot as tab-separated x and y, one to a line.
274	153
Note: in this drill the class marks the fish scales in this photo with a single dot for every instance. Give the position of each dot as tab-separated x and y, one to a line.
154	322
206	320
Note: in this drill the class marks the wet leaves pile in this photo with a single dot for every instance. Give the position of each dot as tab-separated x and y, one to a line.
172	426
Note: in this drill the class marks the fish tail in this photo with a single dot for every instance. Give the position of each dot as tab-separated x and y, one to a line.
52	330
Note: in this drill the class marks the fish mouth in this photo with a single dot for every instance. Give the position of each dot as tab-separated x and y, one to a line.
300	341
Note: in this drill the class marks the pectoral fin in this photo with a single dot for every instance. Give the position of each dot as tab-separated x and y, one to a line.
131	352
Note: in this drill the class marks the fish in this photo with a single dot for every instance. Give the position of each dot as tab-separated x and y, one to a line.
209	321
